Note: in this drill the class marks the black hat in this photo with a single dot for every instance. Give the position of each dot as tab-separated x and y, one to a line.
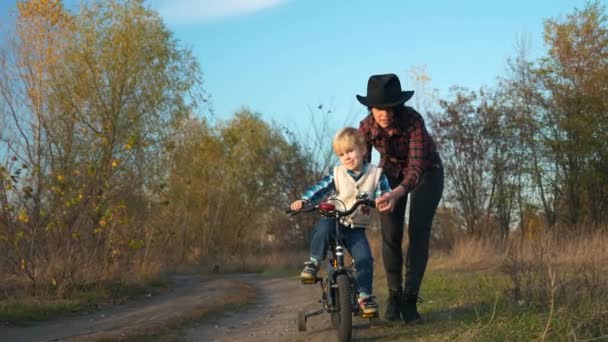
384	91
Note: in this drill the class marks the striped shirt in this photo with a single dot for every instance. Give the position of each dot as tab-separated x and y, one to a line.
326	186
407	151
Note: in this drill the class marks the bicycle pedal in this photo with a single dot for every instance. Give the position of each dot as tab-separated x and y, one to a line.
369	315
310	281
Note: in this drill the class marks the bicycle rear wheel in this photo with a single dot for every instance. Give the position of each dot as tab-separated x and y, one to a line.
345	305
335	320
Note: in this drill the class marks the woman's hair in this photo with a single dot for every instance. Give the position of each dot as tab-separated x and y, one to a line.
396	109
348	137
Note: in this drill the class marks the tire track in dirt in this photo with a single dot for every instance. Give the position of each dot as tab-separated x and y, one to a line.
273	317
190	298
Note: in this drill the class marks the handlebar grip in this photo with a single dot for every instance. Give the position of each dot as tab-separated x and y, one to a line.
305	209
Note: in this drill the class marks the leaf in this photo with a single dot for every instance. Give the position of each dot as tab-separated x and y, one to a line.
22	216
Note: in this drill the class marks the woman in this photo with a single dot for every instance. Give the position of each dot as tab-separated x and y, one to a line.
412	165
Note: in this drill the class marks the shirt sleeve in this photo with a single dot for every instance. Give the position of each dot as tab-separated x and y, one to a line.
417	150
383	186
320	190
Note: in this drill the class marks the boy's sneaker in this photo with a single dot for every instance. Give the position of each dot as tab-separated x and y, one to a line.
368	305
310	271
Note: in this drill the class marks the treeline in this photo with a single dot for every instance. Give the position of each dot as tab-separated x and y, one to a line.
532	154
106	170
228	189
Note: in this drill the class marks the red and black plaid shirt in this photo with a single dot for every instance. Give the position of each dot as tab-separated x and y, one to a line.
405	153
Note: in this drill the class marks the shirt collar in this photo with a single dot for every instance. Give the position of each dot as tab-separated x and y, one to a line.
357	174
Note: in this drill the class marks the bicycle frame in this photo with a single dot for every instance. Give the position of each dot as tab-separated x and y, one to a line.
329	285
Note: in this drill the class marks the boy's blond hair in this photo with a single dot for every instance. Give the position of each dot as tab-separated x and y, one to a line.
348	137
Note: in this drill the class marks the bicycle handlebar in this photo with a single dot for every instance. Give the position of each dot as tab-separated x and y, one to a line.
329	208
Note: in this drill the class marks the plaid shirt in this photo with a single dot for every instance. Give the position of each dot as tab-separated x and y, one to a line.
406	152
326	186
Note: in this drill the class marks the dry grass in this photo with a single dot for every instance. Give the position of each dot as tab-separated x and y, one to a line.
480	253
558	250
468	254
558	285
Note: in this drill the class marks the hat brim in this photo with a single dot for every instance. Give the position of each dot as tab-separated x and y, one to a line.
405	96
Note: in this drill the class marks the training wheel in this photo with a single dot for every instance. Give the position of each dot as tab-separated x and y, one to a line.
301	321
372	321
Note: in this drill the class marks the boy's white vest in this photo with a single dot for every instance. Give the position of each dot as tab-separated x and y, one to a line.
348	190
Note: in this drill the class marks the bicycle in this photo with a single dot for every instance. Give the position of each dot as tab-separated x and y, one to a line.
339	290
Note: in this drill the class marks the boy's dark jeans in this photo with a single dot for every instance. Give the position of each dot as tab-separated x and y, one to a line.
424	200
355	242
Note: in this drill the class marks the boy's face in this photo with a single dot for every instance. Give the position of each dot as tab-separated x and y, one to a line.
351	157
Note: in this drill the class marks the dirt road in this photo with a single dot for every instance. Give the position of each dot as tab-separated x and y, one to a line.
189	298
271	317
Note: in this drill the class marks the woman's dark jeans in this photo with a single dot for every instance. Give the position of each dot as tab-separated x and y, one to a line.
424	200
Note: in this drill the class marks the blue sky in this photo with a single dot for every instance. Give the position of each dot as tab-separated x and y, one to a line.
287	57
282	58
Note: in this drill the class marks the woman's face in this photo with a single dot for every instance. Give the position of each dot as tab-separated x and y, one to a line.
383	116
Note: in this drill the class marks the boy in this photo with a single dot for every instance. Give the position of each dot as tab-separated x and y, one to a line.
350	179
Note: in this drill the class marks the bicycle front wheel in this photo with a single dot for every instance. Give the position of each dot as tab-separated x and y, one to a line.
345	305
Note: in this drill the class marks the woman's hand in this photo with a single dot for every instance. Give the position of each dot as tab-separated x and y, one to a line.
297	205
386	202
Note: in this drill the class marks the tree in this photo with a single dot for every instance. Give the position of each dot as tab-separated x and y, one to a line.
42	27
230	184
575	101
105	89
128	84
538	177
465	149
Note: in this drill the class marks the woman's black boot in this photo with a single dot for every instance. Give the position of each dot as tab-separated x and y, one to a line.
409	309
393	305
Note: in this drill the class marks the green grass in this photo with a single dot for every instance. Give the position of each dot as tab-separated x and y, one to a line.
26	310
478	306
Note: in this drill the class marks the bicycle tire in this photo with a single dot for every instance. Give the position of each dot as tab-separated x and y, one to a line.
345	305
333	303
335	320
